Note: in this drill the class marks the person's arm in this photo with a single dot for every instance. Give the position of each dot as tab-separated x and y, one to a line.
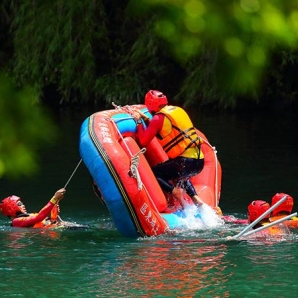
143	116
145	135
32	219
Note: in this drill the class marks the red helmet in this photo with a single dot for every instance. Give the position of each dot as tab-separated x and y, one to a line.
10	206
155	100
256	209
286	206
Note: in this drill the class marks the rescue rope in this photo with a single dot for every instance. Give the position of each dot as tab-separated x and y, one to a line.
72	174
126	108
134	158
61	220
134	167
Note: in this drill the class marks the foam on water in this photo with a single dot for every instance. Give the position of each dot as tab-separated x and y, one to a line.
209	217
201	218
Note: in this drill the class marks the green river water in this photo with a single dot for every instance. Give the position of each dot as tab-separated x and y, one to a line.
258	156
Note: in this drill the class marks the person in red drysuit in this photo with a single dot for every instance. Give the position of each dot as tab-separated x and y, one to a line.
278	232
255	210
14	208
176	134
284	209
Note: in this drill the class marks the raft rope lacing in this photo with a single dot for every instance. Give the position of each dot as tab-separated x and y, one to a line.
134	158
126	108
134	167
134	164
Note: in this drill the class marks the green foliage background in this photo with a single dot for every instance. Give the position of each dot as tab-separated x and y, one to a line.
24	128
218	54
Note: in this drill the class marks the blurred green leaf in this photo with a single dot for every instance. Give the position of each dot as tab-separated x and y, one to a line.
24	129
245	33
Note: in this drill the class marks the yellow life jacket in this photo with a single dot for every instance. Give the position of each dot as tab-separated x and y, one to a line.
277	217
178	136
277	230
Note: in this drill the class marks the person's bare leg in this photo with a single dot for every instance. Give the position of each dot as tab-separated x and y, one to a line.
198	202
177	193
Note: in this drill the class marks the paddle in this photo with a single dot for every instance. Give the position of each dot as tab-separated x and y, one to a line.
270	225
260	217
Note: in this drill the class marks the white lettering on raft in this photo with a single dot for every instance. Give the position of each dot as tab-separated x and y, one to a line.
105	133
149	218
144	208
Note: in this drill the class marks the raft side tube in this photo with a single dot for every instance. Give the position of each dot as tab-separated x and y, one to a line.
150	200
208	182
105	136
95	160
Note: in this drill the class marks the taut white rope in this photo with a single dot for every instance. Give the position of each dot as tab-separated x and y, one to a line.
72	173
134	159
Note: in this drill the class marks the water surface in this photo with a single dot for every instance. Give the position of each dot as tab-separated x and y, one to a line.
258	157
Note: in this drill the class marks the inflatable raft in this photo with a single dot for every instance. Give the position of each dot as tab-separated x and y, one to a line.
121	171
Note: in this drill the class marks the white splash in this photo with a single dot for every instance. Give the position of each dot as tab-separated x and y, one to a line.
209	217
201	217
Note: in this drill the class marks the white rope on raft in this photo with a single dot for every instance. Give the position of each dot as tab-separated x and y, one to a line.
126	108
134	159
134	167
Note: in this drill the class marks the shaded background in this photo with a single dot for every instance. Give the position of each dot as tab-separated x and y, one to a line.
257	151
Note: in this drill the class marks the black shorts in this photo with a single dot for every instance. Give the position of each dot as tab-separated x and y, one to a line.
178	168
